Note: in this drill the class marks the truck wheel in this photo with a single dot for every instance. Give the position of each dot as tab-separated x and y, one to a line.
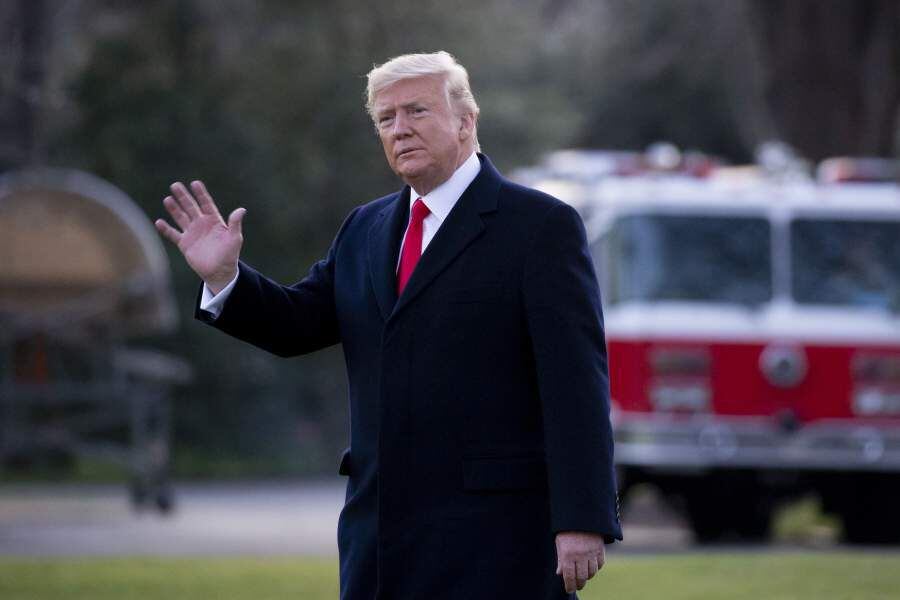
869	511
753	522
705	517
729	506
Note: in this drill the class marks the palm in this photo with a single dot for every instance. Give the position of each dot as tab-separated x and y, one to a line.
210	246
207	244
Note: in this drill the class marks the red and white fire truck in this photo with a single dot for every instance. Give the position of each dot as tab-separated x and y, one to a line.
753	327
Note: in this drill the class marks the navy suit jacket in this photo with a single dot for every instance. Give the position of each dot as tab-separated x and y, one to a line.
479	402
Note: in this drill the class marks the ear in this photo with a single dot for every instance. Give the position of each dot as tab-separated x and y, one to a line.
466	126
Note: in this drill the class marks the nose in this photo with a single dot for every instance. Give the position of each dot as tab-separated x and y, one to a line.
401	127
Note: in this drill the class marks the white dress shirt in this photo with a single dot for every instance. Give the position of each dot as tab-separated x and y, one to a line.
440	201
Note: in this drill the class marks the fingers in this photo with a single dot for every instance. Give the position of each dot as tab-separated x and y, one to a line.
236	218
579	556
174	209
581	573
569	578
576	573
204	200
167	231
185	200
593	566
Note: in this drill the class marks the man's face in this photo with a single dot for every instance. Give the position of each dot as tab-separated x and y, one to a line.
423	139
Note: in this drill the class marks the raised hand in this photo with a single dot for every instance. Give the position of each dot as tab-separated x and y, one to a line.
210	246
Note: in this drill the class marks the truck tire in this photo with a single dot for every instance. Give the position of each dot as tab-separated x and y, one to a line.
729	506
869	510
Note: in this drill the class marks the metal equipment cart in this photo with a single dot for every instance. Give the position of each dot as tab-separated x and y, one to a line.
83	273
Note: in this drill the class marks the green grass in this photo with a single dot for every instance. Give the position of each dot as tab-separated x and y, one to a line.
756	576
169	579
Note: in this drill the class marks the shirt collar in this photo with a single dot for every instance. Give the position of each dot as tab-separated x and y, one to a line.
443	198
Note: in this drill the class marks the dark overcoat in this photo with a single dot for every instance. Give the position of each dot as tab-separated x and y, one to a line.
479	403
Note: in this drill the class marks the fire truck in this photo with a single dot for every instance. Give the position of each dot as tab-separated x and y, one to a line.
752	318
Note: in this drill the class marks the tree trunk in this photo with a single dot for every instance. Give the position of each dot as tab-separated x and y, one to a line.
832	73
30	81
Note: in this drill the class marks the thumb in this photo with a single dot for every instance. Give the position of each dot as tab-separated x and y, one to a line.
558	568
236	218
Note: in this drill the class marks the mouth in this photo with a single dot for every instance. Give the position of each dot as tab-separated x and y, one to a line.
406	151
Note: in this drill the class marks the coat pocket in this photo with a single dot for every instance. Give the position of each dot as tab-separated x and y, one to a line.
491	473
344	468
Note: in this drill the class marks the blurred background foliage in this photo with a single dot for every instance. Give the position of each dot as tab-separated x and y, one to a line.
264	101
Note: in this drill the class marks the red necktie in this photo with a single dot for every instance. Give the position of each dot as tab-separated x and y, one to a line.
412	245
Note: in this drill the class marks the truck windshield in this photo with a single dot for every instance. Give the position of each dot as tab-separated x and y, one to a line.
854	263
694	258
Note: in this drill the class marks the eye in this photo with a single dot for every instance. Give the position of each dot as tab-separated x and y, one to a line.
385	120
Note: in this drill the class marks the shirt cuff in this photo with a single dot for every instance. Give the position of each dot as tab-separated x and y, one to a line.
213	303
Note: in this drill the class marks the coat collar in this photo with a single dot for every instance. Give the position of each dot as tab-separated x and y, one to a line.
461	227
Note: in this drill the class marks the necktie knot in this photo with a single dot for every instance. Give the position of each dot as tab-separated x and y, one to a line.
419	211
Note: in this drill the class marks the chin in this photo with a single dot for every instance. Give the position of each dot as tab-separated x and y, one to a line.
412	172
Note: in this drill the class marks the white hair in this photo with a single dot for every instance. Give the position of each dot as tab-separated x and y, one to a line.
443	64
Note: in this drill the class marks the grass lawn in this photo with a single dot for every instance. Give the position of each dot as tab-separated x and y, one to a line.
756	576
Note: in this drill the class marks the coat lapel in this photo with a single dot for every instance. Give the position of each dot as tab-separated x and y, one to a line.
384	248
461	227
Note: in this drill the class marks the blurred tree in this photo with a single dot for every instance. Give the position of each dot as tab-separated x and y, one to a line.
832	73
153	100
261	101
823	75
26	26
655	70
264	101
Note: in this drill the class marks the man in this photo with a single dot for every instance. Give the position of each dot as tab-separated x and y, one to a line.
470	321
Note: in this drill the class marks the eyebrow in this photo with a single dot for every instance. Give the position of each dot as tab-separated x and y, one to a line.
408	105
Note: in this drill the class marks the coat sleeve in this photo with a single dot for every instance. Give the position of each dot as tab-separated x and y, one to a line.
565	324
285	320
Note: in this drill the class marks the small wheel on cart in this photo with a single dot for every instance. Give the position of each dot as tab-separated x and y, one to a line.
138	495
165	501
